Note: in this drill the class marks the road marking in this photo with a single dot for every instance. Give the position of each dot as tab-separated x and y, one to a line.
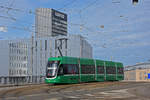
73	97
52	99
68	91
80	90
36	95
89	94
117	94
99	97
53	93
9	98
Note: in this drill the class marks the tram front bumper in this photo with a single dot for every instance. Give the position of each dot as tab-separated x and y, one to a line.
51	80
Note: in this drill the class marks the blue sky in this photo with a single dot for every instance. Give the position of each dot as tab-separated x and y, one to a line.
116	29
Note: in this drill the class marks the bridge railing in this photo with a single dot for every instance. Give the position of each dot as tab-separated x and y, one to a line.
7	80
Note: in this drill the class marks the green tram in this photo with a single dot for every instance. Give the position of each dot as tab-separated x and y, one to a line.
76	70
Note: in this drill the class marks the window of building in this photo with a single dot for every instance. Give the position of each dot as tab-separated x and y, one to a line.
55	44
41	45
24	72
145	78
24	58
20	71
45	45
9	71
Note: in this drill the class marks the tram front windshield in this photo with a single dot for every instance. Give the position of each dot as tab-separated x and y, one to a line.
51	69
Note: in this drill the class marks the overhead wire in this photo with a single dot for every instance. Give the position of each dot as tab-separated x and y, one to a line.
91	31
9	9
89	5
86	7
14	9
66	5
31	12
71	23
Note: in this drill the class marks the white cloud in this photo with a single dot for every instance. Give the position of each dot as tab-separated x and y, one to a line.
3	29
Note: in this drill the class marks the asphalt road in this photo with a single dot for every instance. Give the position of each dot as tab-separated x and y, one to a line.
84	91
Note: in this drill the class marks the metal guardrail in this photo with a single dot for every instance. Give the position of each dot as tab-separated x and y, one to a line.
7	80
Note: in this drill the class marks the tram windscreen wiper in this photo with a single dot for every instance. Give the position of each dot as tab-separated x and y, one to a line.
52	64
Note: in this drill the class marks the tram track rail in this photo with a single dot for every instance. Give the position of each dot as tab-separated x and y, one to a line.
48	89
17	90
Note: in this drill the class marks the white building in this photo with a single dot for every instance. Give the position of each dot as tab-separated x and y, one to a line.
18	60
21	64
13	60
71	45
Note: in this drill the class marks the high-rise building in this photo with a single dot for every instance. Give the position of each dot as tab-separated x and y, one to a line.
49	22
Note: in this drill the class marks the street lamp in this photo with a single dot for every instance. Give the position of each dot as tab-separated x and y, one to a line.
134	2
32	51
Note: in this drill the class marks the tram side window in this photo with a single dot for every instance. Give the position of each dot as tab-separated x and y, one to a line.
70	69
60	70
120	70
111	70
100	69
87	69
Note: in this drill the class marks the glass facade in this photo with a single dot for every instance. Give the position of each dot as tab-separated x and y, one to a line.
18	58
